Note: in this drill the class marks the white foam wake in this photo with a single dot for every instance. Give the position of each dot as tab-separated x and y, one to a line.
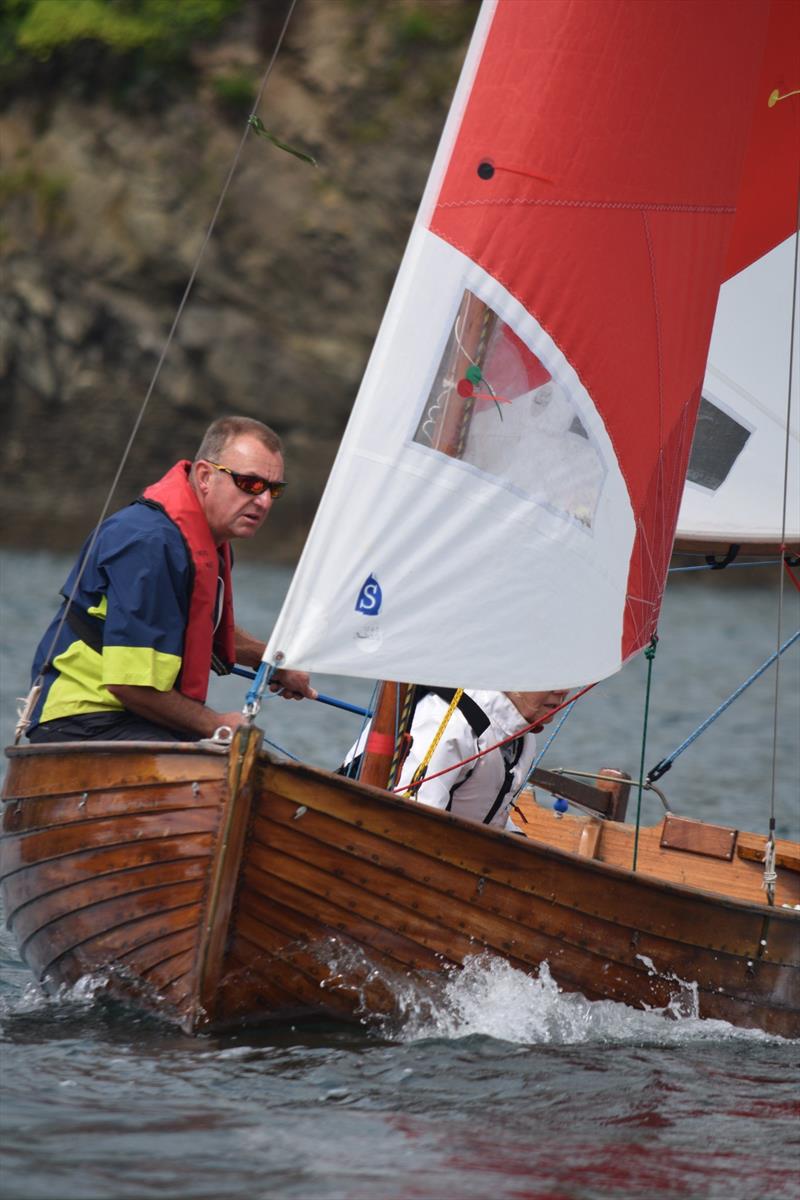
488	996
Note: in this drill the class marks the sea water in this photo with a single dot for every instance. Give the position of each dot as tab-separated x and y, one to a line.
498	1086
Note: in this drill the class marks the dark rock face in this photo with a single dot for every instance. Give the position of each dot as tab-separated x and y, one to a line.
103	214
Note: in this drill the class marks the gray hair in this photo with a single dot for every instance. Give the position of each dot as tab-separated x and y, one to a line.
225	429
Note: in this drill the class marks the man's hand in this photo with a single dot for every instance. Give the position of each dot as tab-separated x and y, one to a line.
293	685
173	710
232	719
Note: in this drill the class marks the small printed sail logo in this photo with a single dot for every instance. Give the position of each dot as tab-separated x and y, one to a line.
370	597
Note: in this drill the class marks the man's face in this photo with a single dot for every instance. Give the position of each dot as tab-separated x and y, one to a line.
535	706
230	512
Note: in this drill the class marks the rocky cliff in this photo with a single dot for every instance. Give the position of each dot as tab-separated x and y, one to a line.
105	207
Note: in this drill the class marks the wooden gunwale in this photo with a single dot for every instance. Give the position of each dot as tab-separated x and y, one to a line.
93	749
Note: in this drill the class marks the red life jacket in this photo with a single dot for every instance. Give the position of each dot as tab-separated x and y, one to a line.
175	495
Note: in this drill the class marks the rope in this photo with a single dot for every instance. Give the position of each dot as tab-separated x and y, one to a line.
664	765
769	858
419	774
281	750
402	721
39	681
792	575
649	654
550	740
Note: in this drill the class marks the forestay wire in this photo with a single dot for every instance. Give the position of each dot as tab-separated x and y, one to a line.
769	867
33	695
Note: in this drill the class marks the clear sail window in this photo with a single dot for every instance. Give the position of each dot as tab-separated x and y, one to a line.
494	405
718	441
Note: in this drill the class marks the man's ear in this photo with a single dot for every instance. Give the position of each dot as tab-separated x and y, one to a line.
201	474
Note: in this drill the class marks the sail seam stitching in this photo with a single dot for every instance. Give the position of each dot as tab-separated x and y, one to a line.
631	205
657	565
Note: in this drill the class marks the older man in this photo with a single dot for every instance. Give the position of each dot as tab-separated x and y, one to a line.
153	607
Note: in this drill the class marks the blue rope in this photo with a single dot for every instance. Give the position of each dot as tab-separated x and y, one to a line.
662	767
549	741
281	750
343	704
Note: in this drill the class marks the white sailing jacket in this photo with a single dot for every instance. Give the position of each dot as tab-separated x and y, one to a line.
482	790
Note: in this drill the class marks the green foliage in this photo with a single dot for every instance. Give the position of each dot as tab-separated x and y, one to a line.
434	24
45	190
235	92
161	29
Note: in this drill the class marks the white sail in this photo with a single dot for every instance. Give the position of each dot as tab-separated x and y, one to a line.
735	485
502	509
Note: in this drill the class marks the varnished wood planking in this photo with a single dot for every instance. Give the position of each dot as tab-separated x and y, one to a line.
50	812
304	970
38	879
132	883
538	873
293	969
162	949
115	981
175	973
604	890
250	991
117	922
763	970
614	948
78	767
399	889
24	849
303	910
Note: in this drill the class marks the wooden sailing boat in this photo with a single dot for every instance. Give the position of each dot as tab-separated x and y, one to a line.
530	400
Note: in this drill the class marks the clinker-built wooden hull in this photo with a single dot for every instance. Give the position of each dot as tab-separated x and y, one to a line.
221	887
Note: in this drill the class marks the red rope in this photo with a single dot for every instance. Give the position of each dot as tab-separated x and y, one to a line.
792	575
533	725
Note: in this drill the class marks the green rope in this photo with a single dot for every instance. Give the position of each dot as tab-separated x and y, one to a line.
649	654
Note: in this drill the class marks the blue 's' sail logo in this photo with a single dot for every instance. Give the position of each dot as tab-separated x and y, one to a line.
370	597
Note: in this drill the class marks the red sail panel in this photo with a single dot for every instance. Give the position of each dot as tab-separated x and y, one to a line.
606	210
766	211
